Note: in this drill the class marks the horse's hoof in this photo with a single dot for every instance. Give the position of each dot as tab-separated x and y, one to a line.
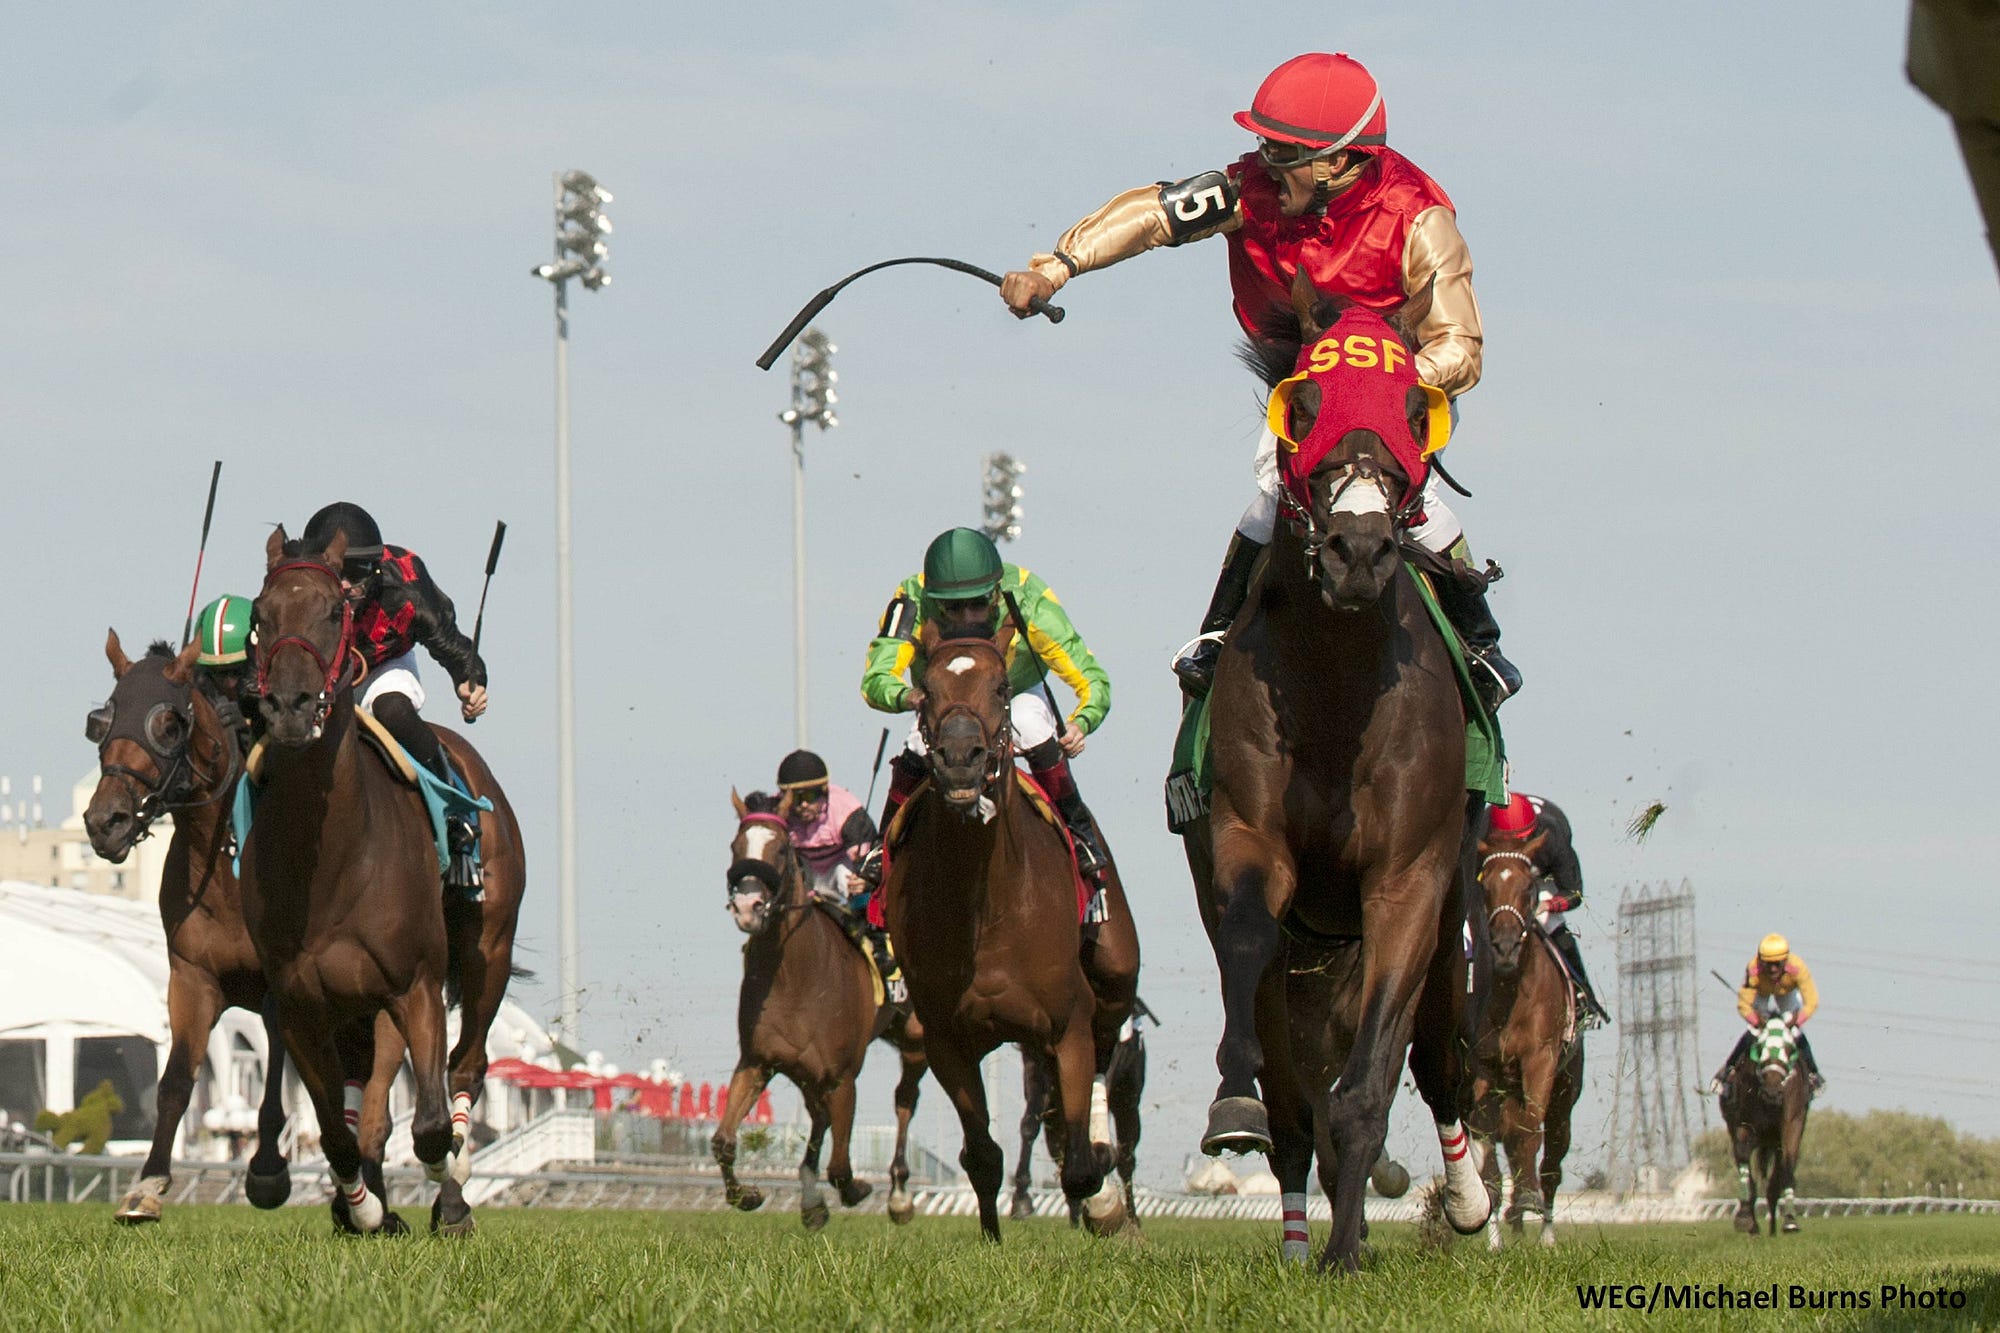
460	1164
1237	1124
458	1223
365	1220
1791	1226
1493	1245
1390	1178
1747	1223
815	1216
1548	1237
904	1215
853	1192
393	1225
747	1200
1102	1215
137	1208
267	1191
1022	1208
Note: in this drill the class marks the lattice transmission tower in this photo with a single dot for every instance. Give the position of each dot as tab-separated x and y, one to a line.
1657	1110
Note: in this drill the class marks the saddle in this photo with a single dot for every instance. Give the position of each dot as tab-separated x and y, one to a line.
1038	800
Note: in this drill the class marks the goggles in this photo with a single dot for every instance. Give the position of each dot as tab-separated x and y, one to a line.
1278	153
165	728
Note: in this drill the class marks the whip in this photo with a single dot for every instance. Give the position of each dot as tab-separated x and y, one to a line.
1037	306
187	626
492	561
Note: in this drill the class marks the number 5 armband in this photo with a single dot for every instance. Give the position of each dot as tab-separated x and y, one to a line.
1198	206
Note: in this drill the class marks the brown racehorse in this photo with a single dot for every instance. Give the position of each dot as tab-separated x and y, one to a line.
162	749
1529	1055
341	889
1339	811
1125	1083
981	902
806	1010
1764	1105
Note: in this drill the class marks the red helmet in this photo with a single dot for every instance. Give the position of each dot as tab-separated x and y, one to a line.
1515	818
1322	101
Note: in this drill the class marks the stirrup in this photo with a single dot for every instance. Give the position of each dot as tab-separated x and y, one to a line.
1194	664
869	871
1494	678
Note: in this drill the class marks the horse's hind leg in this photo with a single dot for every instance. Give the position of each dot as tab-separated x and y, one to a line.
901	1207
840	1170
957	1072
268	1181
812	1208
744	1086
1035	1093
1127	1086
193	1001
483	966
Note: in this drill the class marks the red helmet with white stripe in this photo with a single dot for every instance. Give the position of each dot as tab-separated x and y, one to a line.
1321	101
1515	818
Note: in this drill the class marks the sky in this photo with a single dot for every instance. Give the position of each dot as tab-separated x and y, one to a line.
1730	443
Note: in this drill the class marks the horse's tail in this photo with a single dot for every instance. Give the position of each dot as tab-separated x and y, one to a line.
461	937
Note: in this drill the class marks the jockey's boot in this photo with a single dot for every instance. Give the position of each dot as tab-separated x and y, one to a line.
1721	1079
1050	768
906	770
1812	1065
1493	676
1196	664
1594	1014
893	987
461	832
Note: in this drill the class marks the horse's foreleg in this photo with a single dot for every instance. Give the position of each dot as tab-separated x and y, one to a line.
812	1208
1527	1113
419	1015
1746	1185
309	1036
1084	1170
374	1050
1440	1066
1256	885
1127	1085
268	1183
744	1086
840	1169
957	1072
193	1001
1555	1137
901	1208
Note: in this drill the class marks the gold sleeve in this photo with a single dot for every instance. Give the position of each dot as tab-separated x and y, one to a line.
1130	224
1450	333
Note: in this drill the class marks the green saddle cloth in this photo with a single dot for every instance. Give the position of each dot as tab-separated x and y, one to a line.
1189	781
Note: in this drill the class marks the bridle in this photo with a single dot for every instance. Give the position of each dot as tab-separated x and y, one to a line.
158	792
772	877
1507	909
1299	514
1000	752
334	671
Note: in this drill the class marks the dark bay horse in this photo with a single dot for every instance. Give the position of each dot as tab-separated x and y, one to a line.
162	749
1124	1084
1529	1054
806	1010
1339	810
1764	1104
341	889
982	904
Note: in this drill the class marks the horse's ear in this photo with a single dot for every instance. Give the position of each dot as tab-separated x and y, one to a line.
182	668
737	801
785	805
114	652
274	548
1004	638
336	550
1305	301
1408	317
1534	845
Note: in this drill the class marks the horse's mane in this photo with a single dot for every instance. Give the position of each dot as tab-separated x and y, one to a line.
762	802
1272	353
161	648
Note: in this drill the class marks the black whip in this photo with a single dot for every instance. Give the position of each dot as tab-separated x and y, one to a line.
1053	313
876	772
492	561
187	626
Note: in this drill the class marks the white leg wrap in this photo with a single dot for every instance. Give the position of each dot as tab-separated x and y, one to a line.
808	1189
461	1137
363	1208
1297	1240
350	1104
1548	1235
1493	1234
1466	1205
1100	1111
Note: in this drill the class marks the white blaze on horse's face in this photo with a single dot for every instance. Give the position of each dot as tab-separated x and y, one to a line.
959	666
757	841
1359	497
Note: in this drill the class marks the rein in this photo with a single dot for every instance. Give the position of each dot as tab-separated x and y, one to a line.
334	672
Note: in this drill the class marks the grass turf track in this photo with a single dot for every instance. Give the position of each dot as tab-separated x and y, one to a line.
67	1266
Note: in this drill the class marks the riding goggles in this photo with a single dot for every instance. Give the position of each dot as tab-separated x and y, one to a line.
164	730
1278	153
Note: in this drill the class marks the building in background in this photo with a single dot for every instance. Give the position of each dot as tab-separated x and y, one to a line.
61	858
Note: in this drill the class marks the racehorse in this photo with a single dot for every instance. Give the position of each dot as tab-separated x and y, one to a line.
1339	808
981	899
341	889
1764	1104
1529	1056
162	749
806	1010
1124	1084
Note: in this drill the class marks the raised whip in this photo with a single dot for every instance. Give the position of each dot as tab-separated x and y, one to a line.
1053	313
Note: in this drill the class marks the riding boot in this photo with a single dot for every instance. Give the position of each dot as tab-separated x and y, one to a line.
1493	676
893	987
1573	958
1050	768
1196	665
1805	1054
399	716
906	770
1721	1079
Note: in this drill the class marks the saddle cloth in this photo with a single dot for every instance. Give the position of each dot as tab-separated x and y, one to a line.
1189	780
440	797
1038	800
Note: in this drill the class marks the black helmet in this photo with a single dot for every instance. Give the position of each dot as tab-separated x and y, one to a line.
801	768
364	539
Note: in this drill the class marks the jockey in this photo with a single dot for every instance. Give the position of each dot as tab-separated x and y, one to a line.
1553	859
1777	981
961	588
223	668
399	607
833	836
1322	191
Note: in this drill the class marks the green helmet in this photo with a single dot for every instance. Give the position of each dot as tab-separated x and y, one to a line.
960	565
224	631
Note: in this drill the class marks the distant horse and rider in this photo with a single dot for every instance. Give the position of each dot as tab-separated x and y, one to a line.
810	1004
